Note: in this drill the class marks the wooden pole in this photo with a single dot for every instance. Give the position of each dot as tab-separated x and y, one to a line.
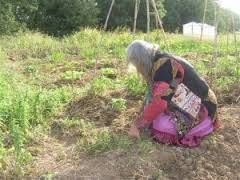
192	29
227	36
148	16
227	41
234	36
160	23
101	37
215	53
216	34
204	16
236	50
157	14
137	2
156	20
109	12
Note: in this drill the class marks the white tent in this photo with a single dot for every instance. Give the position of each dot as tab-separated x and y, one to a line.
194	29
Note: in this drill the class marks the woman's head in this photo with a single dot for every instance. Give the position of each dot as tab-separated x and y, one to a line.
140	54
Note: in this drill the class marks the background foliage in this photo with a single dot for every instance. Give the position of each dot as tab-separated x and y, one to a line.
63	17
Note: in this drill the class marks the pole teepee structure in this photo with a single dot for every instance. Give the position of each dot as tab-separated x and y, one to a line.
137	3
204	16
148	16
109	12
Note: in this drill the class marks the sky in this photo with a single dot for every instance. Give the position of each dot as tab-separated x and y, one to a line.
233	5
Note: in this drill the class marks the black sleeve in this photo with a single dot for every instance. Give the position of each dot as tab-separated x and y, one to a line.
211	107
164	73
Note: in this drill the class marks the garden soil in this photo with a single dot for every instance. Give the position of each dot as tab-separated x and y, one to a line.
218	157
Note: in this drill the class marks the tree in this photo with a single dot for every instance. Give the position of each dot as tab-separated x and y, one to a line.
180	12
62	17
225	20
25	11
172	19
8	21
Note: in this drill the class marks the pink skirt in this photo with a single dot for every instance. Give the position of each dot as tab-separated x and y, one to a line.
164	131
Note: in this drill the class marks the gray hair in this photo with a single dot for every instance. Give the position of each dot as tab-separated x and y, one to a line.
140	53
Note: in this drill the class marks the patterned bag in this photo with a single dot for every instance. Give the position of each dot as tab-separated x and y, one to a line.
185	100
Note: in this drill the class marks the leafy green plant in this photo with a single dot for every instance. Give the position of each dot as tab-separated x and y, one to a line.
88	53
100	85
119	104
30	69
90	63
73	75
146	146
109	72
134	85
57	56
49	176
157	174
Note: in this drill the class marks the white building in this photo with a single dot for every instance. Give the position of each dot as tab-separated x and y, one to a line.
194	29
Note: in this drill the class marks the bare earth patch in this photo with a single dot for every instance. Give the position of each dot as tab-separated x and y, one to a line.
217	158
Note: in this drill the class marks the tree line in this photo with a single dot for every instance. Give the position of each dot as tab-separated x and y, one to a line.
63	17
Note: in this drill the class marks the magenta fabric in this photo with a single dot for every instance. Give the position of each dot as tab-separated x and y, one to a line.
163	123
194	136
164	131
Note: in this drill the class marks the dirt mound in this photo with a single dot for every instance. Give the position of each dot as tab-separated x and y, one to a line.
99	109
95	109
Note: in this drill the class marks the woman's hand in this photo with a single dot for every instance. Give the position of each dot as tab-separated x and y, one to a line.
134	132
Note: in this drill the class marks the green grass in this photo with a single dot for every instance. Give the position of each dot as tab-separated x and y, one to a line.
104	141
95	140
22	108
31	93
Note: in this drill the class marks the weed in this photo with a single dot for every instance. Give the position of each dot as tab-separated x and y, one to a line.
21	108
49	176
100	85
118	104
23	158
157	175
88	53
57	56
146	145
72	123
97	140
3	55
3	155
30	69
134	85
90	63
103	140
73	75
109	72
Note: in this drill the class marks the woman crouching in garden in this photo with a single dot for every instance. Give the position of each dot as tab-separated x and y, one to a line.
180	108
